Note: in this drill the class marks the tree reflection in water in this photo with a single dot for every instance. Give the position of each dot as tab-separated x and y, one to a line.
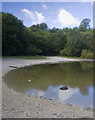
74	74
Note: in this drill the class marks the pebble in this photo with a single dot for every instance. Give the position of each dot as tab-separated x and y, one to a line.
29	80
5	110
74	116
12	109
38	112
59	115
25	114
50	99
20	94
54	114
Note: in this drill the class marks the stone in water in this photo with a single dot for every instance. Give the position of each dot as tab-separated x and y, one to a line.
29	80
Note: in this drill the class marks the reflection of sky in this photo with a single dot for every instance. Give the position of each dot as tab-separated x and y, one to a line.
65	95
71	96
79	99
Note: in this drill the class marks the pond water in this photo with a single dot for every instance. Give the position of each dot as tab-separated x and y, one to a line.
45	81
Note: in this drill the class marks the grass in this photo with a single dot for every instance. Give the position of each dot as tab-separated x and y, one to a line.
71	57
27	57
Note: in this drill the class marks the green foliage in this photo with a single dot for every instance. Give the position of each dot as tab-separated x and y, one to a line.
42	26
32	50
62	53
19	40
65	52
85	24
27	57
12	35
87	54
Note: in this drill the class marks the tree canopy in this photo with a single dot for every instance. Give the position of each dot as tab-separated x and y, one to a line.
40	40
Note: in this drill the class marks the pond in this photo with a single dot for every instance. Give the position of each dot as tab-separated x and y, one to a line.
45	81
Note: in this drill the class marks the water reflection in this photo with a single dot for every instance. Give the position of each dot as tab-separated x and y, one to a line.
52	93
75	75
45	81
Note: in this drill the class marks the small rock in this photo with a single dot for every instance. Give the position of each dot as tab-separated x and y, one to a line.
54	114
38	112
12	109
25	113
64	88
50	99
74	116
5	110
29	80
39	104
20	94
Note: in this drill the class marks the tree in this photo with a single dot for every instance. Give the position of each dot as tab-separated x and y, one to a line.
39	40
43	26
12	35
85	24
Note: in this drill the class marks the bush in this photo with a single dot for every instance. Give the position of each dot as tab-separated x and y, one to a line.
33	50
65	52
87	54
62	52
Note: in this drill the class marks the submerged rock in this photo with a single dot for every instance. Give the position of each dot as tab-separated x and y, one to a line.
64	88
29	80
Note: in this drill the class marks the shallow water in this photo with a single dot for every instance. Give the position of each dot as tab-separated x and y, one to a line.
45	81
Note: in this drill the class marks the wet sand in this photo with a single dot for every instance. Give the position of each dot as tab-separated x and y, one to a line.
18	105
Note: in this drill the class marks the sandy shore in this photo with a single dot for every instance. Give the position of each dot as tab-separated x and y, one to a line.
17	105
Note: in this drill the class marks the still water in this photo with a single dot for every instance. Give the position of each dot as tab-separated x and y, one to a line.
45	81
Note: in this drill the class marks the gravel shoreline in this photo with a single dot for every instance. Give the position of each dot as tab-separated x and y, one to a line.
18	105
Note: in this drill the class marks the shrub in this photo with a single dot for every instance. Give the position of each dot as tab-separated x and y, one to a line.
62	53
87	54
66	52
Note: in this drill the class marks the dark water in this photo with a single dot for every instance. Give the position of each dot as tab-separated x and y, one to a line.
45	81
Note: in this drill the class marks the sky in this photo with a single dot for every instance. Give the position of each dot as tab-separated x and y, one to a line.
54	14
